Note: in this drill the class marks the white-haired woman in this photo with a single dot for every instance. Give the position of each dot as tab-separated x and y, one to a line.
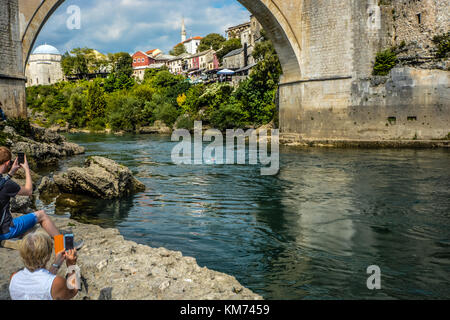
35	282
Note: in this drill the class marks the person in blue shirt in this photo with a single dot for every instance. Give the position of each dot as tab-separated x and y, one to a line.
13	228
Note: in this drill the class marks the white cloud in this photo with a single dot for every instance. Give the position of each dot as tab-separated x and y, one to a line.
131	25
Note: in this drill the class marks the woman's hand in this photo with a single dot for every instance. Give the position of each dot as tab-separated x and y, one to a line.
24	165
71	257
60	257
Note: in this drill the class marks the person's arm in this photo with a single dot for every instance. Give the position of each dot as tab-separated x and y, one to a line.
60	291
27	190
59	259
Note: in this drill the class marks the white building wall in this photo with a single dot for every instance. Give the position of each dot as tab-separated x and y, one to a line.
44	69
191	46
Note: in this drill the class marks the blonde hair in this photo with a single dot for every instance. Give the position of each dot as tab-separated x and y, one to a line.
36	250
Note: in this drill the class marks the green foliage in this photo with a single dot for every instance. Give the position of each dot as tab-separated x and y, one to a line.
185	122
214	96
229	116
121	76
95	102
167	113
385	61
191	105
82	61
122	64
98	124
3	139
21	125
179	49
212	40
164	79
150	73
442	43
123	112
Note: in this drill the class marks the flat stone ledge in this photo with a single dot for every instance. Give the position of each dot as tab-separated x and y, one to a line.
290	140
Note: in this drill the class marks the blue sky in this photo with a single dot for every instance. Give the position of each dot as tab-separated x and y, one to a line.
132	25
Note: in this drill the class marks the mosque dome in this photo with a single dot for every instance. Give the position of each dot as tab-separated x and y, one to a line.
46	49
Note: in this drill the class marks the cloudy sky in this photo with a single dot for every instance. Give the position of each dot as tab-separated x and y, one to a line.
132	25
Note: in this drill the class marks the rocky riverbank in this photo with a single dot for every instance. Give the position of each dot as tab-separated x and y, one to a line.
42	146
115	269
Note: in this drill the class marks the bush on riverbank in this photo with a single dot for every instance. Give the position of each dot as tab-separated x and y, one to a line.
163	97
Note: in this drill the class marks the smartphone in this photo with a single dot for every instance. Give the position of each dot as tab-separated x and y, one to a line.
68	242
21	157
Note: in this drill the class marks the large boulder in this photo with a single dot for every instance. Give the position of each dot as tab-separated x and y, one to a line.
21	204
100	178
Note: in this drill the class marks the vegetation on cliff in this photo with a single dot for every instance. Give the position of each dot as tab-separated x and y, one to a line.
442	43
385	61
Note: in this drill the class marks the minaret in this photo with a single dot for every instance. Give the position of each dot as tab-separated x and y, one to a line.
183	31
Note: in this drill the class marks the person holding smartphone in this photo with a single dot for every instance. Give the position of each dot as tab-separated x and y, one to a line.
35	282
12	228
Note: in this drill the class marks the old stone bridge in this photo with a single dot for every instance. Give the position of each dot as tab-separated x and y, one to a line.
327	49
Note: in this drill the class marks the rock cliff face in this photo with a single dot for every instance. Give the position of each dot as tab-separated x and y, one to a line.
115	269
101	178
41	145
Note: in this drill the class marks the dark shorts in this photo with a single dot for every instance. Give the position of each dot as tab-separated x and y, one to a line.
21	225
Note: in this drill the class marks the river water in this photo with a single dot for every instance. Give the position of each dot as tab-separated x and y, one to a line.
310	232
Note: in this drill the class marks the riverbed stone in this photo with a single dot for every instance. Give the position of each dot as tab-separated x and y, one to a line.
100	178
22	204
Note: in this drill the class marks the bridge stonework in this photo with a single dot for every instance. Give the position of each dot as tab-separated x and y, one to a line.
327	50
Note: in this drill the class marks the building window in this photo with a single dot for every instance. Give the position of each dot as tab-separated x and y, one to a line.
419	18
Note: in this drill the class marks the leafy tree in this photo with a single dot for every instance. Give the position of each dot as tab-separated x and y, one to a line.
267	72
212	40
165	79
80	62
121	74
95	101
167	113
121	63
257	93
123	112
76	110
191	104
229	116
150	73
178	50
